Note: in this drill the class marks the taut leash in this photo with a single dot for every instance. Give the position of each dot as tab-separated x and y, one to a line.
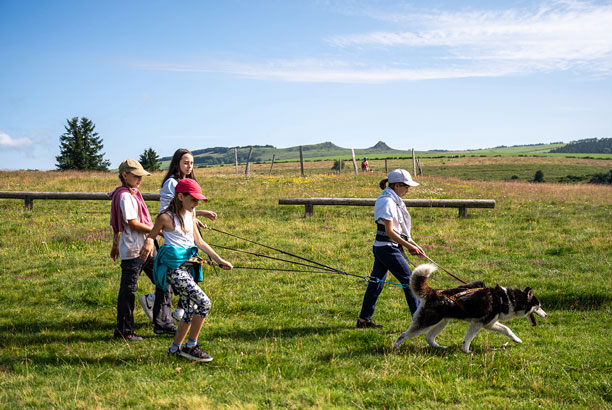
432	261
314	264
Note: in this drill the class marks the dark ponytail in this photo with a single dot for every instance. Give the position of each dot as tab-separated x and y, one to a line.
383	183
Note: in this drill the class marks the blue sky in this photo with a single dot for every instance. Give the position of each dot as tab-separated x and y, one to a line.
197	74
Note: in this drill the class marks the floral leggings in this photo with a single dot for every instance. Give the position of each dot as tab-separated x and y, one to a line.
192	297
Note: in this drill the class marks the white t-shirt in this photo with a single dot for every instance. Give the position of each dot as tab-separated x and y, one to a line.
131	241
389	206
177	237
166	193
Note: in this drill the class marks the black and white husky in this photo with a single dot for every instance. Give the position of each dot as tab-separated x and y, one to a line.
483	307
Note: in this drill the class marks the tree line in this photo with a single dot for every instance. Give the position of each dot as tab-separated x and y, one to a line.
587	146
81	146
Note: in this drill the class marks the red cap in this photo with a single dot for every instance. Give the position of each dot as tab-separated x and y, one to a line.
191	187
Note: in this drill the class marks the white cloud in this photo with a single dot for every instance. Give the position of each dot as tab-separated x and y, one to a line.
10	142
553	36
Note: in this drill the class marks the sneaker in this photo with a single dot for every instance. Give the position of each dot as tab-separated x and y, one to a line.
195	353
178	314
176	353
132	337
168	330
146	302
368	323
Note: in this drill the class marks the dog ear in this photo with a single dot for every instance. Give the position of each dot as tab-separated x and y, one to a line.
529	292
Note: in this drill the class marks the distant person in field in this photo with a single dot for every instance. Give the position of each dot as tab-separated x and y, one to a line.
365	167
178	264
131	222
181	166
392	236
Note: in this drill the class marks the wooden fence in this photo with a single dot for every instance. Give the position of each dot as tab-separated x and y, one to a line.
29	197
462	204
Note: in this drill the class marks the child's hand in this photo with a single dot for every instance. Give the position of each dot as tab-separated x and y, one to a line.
200	224
147	249
207	214
415	250
114	253
223	264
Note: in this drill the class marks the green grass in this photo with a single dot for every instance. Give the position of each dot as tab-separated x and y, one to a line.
287	340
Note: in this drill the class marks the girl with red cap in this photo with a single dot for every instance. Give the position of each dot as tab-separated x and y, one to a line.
177	263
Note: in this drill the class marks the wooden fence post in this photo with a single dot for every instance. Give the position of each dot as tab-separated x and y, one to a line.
246	170
354	162
301	162
413	163
272	165
386	168
309	209
236	157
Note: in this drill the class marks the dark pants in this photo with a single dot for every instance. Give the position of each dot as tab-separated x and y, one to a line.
387	258
130	271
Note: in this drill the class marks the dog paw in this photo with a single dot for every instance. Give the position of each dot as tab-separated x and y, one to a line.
517	340
465	350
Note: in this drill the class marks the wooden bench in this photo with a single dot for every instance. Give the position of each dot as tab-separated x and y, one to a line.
462	204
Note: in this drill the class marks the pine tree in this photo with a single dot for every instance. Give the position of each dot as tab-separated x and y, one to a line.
149	160
80	147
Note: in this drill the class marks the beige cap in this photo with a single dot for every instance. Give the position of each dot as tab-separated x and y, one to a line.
133	167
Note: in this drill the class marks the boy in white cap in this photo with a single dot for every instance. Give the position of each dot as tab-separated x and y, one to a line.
392	236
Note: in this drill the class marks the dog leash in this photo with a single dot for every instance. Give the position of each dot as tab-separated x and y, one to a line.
320	268
432	261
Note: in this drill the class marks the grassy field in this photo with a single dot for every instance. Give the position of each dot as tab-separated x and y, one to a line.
287	339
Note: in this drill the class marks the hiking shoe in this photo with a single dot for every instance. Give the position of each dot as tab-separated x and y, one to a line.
147	302
178	314
168	330
195	353
132	337
368	323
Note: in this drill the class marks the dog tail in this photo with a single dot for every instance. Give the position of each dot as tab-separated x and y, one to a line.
418	281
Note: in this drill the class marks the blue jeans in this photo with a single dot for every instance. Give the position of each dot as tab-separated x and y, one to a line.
387	258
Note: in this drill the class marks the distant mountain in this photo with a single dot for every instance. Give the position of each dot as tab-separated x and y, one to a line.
264	153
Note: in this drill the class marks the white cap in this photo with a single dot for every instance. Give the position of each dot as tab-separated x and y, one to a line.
401	176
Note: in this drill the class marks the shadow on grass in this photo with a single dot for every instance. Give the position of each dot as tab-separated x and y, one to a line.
41	333
269	332
574	301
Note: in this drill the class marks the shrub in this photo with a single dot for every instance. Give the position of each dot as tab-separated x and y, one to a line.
539	176
604	178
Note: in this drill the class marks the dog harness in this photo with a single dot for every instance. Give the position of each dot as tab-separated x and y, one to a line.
456	296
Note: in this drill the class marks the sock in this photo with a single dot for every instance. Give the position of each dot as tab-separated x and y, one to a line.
174	347
191	342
